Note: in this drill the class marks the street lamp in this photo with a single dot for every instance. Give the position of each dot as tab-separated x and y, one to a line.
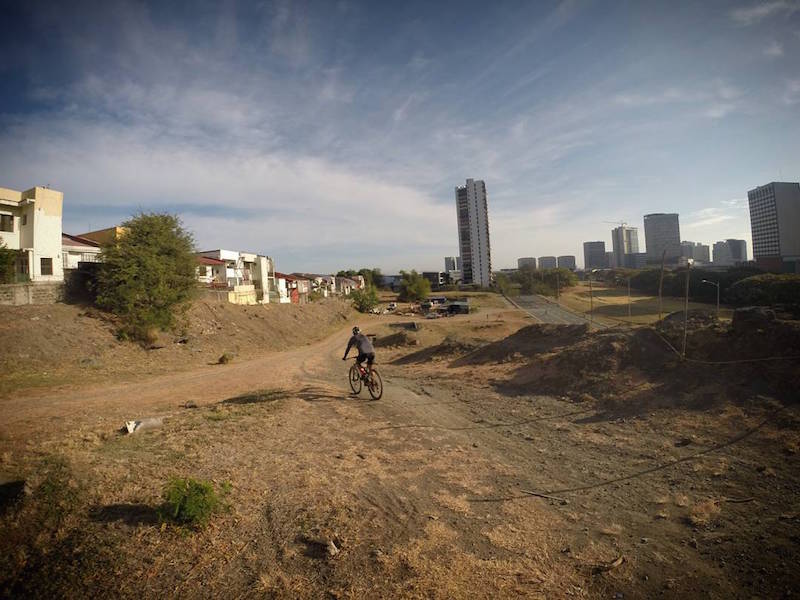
716	283
689	262
591	298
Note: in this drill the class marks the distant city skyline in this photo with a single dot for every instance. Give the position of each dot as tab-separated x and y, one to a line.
290	129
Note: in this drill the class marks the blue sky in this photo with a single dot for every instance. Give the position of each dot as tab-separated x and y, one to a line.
331	135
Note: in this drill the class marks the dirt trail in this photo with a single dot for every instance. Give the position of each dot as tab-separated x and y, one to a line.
423	491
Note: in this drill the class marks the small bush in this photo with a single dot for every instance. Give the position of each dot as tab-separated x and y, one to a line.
225	358
365	300
765	290
191	501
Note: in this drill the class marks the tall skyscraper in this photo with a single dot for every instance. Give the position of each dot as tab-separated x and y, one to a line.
662	232
730	252
624	240
450	263
566	262
548	262
528	262
696	251
473	233
775	223
594	255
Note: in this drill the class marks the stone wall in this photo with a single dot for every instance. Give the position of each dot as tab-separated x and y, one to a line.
18	294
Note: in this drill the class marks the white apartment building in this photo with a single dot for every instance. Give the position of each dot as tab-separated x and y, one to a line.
775	224
473	233
30	222
250	277
624	240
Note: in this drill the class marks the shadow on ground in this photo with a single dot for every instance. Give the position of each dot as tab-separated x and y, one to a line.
257	397
320	394
129	514
11	492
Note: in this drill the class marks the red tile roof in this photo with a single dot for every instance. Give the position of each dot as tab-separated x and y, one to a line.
205	260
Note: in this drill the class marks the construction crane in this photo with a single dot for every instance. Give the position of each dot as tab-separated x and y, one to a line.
620	223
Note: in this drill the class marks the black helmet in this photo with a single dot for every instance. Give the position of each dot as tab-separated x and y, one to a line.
356	330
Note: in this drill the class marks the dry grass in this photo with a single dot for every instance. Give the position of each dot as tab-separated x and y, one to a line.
611	304
704	513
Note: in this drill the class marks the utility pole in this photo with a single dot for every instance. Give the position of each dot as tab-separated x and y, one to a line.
629	297
716	283
686	308
661	285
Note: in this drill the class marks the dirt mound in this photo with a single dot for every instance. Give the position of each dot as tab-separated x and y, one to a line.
526	342
448	349
401	338
61	343
634	370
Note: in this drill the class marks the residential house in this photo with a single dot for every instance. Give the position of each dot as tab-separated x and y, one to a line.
345	286
104	236
249	277
30	223
76	250
299	288
212	272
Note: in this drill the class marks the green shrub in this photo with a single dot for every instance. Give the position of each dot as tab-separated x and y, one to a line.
191	501
226	358
8	259
147	274
364	300
764	290
413	287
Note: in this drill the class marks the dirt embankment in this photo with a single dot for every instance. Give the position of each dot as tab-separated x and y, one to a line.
635	369
60	343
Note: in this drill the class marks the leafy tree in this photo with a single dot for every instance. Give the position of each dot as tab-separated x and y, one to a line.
147	274
765	290
365	300
372	277
413	287
8	259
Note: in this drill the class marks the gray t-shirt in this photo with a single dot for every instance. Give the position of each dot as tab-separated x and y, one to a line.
362	343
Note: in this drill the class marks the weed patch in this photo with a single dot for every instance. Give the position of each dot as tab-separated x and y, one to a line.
191	502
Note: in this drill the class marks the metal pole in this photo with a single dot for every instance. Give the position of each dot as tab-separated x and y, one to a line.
629	297
661	285
686	310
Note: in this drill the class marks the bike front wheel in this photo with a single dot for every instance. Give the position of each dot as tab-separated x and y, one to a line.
355	380
375	385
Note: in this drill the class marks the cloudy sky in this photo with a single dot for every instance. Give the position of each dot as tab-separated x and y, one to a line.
331	135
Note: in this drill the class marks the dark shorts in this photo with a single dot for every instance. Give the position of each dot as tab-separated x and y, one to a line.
369	357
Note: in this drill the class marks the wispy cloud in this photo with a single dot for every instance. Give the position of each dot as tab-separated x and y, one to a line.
706	217
774	49
791	93
750	15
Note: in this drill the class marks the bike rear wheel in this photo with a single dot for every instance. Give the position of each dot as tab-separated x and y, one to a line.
355	379
375	385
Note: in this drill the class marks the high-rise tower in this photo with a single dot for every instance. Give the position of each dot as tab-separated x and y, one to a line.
473	233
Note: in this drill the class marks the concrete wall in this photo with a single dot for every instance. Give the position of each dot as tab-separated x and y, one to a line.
104	236
19	294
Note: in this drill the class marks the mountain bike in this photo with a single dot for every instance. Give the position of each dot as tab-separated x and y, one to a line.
359	376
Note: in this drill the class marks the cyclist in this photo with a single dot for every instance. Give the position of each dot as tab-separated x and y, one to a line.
365	350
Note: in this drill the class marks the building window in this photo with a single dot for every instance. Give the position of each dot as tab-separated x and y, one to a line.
24	219
47	266
6	223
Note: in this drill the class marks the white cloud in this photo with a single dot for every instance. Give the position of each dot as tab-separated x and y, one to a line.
751	15
773	50
791	94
